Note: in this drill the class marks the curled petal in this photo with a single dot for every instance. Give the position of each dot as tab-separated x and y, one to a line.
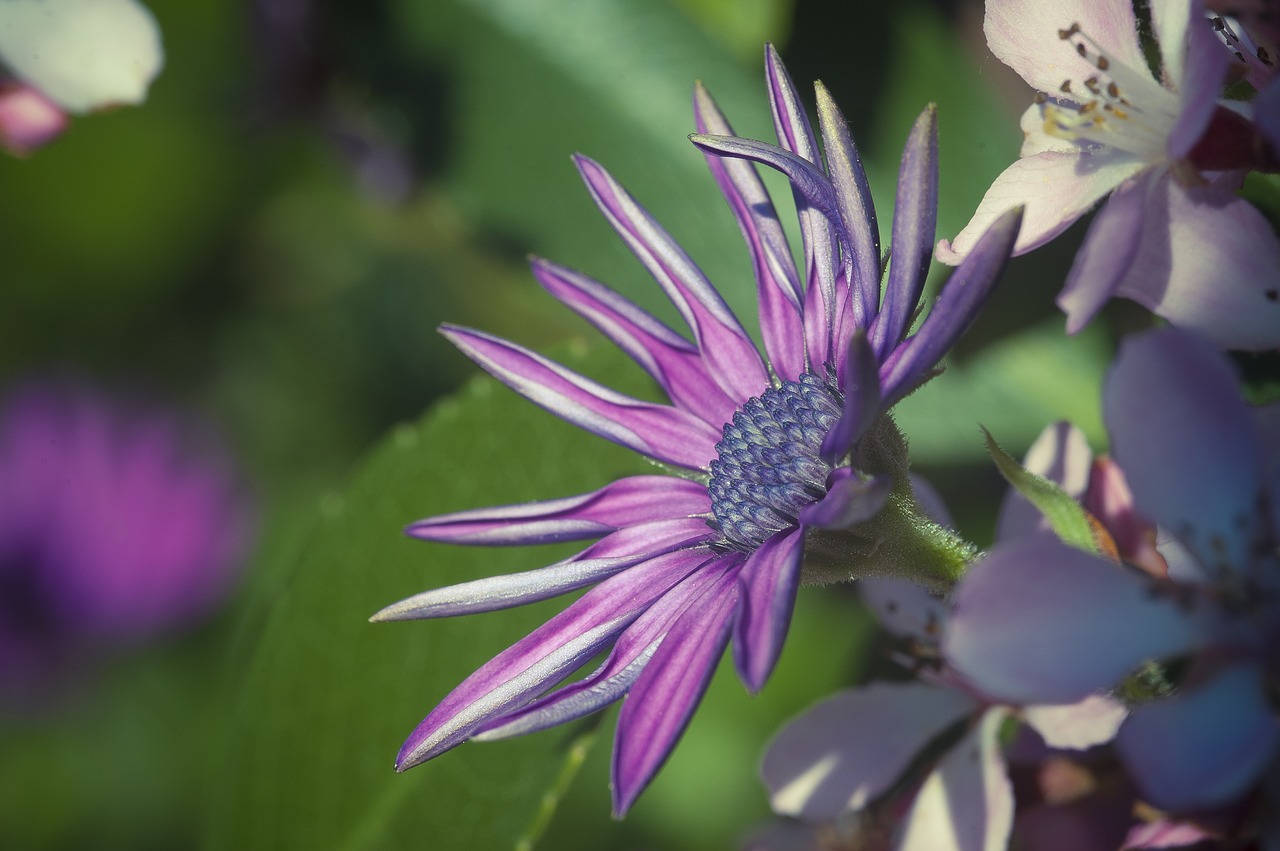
850	500
769	579
730	354
661	432
626	502
1016	629
669	688
613	553
672	360
849	749
544	657
861	399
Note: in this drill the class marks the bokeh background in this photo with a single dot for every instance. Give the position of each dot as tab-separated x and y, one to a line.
270	241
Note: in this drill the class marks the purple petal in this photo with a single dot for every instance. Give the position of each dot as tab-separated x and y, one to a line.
849	749
1186	442
966	804
632	651
816	206
672	360
1205	746
770	578
905	608
1267	420
1194	64
1023	34
1107	253
780	295
861	388
545	656
1061	454
1208	262
859	230
626	502
790	121
1077	726
730	355
818	235
958	304
1266	105
661	432
850	500
1016	629
617	551
663	698
914	221
1055	187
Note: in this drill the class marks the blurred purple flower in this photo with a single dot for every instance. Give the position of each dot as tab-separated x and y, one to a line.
1173	236
112	531
1036	620
766	450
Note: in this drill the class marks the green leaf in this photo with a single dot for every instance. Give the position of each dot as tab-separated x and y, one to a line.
327	697
1066	516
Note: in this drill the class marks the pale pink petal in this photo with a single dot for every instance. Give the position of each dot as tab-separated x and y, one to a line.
1023	34
849	749
1056	187
905	608
1208	262
1195	65
1077	726
966	803
1107	253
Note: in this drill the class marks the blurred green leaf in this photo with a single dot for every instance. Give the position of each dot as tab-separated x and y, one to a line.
1014	388
327	698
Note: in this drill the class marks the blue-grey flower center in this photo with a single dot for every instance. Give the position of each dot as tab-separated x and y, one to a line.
768	465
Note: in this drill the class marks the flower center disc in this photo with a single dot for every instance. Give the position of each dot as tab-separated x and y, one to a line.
768	465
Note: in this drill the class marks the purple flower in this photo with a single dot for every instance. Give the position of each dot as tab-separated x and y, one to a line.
1173	236
1036	620
112	530
765	450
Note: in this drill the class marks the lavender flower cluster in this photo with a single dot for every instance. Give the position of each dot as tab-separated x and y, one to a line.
1104	676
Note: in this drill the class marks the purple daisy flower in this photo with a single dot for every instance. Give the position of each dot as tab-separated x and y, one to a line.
112	531
765	451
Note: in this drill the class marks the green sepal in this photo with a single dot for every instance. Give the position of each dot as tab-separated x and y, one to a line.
1066	516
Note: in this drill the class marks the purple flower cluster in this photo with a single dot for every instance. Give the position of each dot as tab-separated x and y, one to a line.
113	529
766	450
